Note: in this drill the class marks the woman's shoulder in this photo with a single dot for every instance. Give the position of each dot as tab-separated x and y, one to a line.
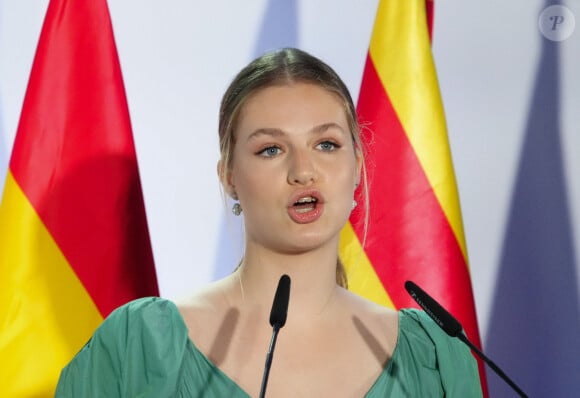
146	333
423	344
148	312
375	325
144	322
424	335
383	317
417	324
144	306
205	311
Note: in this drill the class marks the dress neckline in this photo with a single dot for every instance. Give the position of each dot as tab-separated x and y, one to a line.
228	379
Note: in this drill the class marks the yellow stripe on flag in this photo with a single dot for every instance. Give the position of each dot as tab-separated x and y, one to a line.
411	83
361	275
42	299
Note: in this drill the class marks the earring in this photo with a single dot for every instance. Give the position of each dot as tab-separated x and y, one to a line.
237	209
354	203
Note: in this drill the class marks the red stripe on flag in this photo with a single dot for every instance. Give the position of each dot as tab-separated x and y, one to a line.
407	224
74	156
415	230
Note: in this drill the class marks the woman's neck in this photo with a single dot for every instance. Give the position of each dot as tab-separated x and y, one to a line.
312	274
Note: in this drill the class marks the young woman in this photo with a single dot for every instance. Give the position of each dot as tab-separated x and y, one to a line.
292	158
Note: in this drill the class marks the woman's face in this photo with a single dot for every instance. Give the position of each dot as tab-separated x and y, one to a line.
294	167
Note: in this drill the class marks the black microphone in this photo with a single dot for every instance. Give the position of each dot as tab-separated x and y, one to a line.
277	320
453	328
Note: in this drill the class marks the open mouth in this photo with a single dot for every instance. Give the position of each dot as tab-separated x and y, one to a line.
305	204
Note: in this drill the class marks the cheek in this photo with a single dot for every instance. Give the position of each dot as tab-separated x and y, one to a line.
343	171
250	182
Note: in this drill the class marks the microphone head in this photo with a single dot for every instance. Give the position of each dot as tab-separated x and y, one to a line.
280	304
444	319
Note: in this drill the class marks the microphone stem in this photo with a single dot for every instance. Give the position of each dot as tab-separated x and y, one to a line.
492	365
269	357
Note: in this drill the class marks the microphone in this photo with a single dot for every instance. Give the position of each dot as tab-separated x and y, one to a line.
280	305
278	316
453	328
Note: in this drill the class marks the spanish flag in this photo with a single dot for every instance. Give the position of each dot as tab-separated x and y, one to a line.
74	242
414	229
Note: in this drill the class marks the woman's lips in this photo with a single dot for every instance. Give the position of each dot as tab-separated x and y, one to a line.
306	206
305	215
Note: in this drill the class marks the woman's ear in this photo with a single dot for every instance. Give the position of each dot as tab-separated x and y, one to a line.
359	165
226	179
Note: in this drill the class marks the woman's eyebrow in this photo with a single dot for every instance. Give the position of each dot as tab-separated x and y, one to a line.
325	127
276	132
269	131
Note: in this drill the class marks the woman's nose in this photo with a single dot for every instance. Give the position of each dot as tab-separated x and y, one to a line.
302	170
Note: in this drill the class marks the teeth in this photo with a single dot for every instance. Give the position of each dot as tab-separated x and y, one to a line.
308	199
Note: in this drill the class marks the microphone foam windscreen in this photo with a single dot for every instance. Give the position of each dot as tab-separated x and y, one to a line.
280	304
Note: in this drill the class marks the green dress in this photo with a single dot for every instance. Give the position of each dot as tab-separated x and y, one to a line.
143	350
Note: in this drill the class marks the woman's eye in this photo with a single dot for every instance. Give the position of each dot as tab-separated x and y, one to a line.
270	151
328	146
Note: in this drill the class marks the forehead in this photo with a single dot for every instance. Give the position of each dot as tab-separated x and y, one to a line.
291	106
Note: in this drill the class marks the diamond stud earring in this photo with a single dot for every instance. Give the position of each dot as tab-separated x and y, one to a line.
237	209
